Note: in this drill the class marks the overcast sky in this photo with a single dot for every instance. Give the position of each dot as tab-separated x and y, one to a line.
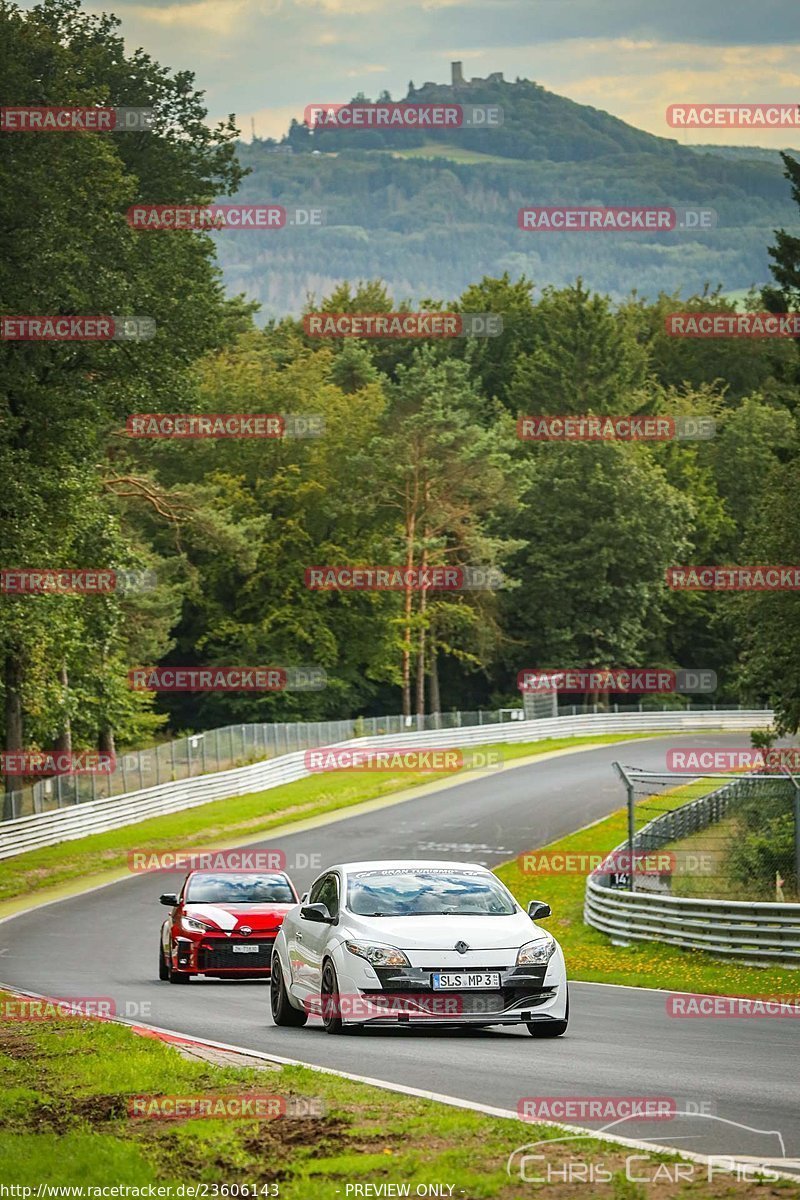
267	59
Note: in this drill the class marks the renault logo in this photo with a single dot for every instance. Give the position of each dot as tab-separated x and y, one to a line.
245	931
461	947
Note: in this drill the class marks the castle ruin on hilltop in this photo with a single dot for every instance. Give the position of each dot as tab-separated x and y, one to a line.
458	80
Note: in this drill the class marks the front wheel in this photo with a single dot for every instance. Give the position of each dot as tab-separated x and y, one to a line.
549	1029
177	976
283	1011
331	1003
163	965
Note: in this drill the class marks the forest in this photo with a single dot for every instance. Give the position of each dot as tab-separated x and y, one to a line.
415	457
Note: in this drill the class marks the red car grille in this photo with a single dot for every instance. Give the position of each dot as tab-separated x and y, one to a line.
221	956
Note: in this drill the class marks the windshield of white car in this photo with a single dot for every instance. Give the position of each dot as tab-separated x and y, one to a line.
239	889
409	893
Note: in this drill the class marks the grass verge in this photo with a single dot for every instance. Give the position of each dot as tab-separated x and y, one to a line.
238	819
64	1120
716	843
590	954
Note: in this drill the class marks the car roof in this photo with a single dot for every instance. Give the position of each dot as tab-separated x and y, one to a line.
421	864
235	871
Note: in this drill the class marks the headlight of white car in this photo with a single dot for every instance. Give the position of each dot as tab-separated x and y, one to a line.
192	925
540	951
379	956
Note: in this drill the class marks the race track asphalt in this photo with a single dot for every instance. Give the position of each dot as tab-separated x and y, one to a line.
737	1072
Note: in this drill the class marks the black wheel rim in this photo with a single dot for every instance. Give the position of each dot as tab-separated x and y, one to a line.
275	988
328	997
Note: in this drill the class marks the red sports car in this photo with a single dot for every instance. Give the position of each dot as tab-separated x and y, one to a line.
223	924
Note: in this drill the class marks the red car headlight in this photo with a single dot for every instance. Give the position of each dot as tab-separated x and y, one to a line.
192	925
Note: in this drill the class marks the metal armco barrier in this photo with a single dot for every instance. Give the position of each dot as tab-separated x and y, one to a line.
99	816
757	932
216	750
753	931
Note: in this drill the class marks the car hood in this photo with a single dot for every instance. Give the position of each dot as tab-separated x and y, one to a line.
442	933
261	918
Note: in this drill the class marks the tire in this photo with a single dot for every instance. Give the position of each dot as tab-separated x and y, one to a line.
163	966
329	996
549	1029
178	976
283	1011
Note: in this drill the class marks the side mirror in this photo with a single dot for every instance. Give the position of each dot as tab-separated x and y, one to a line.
537	911
316	912
169	898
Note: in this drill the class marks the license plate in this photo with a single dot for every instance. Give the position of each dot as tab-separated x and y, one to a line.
249	949
465	980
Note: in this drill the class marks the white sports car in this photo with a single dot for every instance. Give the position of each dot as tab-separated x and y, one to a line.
417	942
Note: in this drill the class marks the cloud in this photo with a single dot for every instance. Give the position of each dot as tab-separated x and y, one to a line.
269	58
357	72
343	7
206	15
641	90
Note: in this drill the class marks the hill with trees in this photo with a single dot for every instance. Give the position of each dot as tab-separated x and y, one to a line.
430	213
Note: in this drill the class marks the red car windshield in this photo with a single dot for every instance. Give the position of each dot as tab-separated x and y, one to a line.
239	889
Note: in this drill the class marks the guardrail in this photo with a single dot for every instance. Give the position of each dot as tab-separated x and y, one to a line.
99	816
217	750
758	932
693	817
754	931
